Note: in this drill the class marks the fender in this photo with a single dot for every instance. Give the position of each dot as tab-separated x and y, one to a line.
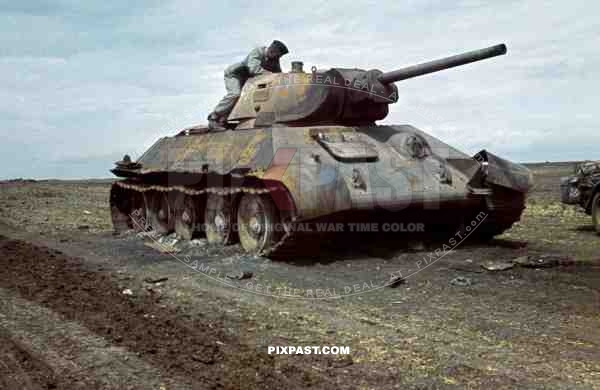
504	173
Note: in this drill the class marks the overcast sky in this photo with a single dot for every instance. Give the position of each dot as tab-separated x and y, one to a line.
83	82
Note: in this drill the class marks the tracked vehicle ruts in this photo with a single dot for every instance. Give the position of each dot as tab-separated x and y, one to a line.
304	147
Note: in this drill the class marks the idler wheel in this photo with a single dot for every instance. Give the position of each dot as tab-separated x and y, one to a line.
159	212
187	215
218	219
120	208
257	222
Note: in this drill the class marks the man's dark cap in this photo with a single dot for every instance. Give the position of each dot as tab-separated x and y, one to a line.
280	47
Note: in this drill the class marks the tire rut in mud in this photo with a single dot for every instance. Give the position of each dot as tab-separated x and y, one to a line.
172	341
20	369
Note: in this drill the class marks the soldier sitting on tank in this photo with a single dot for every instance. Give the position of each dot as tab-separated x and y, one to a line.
261	60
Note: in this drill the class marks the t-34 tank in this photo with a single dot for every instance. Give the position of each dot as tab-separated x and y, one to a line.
304	148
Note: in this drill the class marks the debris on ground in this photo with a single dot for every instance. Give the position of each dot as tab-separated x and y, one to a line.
154	291
542	261
170	240
239	275
149	234
242	261
468	267
197	243
494	266
396	281
162	248
127	291
154	281
461	281
368	321
87	212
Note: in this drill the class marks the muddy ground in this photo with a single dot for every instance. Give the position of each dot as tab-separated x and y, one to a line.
81	308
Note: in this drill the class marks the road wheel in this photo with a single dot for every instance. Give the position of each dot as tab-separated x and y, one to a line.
187	215
218	218
138	216
257	219
159	212
596	212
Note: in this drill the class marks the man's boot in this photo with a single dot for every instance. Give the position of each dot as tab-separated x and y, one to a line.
216	123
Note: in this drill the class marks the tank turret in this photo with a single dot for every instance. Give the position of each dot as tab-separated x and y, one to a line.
334	96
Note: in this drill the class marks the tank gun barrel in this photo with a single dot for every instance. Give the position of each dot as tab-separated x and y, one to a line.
441	64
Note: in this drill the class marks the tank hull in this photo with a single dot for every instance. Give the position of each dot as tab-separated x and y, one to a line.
316	172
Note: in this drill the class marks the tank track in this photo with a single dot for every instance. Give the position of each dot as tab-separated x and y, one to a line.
504	208
276	248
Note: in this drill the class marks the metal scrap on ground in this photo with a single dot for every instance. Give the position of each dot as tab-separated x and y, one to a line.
497	265
543	261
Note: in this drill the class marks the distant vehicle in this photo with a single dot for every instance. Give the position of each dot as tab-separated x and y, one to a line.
583	189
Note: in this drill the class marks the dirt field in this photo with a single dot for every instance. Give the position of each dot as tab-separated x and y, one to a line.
81	308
